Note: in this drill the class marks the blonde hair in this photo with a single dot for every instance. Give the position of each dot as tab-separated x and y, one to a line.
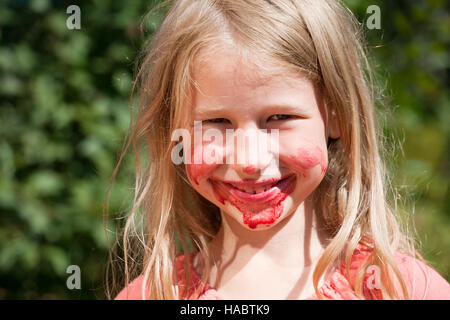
320	39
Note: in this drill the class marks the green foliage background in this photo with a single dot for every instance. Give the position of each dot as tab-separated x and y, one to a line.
64	98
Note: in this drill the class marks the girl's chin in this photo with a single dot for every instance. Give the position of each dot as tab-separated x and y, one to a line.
255	221
259	220
258	210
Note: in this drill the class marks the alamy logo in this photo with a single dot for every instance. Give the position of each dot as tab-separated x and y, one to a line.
374	20
374	279
74	280
74	20
212	146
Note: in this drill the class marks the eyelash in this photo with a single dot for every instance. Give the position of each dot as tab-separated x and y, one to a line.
282	115
215	120
285	116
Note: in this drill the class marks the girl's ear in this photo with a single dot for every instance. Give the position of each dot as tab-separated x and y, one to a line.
334	131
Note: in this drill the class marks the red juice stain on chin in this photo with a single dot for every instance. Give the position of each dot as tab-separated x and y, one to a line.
265	212
267	216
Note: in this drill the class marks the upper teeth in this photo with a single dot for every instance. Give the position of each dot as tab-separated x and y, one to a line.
253	190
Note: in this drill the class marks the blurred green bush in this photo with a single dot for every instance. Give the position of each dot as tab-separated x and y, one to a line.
64	113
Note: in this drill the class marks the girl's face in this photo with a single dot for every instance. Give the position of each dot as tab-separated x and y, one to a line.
262	182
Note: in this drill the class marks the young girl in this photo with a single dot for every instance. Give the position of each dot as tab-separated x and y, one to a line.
306	217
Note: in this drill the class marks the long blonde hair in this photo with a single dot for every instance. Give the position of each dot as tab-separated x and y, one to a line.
320	39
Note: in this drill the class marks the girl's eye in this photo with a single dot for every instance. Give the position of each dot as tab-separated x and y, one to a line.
217	120
279	117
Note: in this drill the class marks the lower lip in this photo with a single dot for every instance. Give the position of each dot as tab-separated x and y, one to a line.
260	208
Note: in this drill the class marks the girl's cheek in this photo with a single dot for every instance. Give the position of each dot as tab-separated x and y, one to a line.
204	160
304	157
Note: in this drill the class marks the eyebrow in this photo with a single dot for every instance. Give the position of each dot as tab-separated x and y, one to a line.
206	110
280	107
289	107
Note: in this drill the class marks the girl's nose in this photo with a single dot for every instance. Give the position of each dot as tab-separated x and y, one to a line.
251	151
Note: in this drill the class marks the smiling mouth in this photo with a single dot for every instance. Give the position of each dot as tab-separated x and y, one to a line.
258	191
260	202
253	190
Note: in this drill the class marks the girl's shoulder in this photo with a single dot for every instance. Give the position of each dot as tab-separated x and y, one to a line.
422	281
134	289
206	293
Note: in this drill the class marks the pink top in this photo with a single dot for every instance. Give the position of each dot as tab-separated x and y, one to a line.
337	286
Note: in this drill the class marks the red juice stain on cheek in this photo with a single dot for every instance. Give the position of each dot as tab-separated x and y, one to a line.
308	157
207	164
196	171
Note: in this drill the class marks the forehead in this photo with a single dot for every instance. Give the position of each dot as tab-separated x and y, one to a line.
241	69
226	78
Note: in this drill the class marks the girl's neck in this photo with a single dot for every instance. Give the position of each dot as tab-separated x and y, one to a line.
284	253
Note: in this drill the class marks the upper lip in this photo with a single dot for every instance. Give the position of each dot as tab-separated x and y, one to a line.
252	183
